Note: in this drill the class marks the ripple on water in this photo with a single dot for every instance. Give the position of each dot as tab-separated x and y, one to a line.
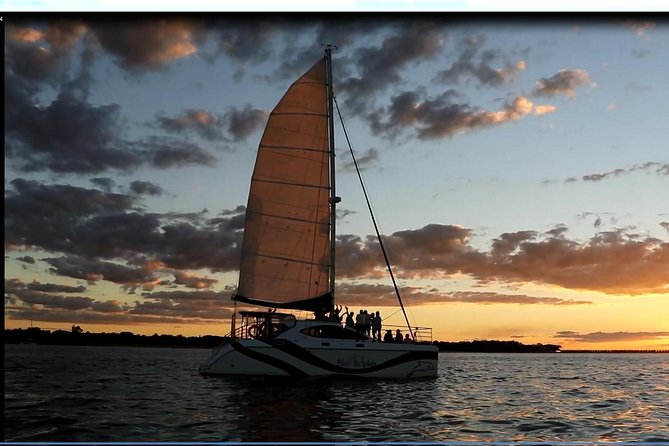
157	395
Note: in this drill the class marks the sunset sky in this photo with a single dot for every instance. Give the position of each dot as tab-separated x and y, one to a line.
519	169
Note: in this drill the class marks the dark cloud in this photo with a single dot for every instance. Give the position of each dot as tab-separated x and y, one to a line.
26	259
207	305
490	298
70	135
376	295
620	336
193	281
406	44
67	136
369	159
148	44
241	123
36	294
651	166
477	64
247	40
106	184
94	270
613	262
510	241
665	225
431	248
441	117
97	225
173	308
41	53
55	288
165	153
198	121
146	188
564	82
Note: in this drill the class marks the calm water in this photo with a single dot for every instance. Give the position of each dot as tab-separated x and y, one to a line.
64	393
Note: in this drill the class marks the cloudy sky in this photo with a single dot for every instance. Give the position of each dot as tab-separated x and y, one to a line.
519	169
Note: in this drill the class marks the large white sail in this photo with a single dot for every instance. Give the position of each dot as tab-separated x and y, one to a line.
285	252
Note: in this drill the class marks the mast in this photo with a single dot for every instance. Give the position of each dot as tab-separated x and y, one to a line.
334	199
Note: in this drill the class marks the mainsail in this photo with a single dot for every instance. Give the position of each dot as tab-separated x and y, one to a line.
285	260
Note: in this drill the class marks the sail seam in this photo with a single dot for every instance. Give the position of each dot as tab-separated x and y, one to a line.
309	149
286	183
282	217
299	114
287	259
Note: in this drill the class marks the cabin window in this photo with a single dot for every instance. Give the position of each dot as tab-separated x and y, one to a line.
331	332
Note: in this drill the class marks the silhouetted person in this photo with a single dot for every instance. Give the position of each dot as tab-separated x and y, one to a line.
360	322
349	319
407	339
388	336
368	323
398	336
376	326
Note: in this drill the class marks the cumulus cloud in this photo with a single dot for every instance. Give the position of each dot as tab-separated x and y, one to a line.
199	121
378	66
41	54
96	225
563	83
147	44
612	262
477	64
242	123
444	116
192	281
71	136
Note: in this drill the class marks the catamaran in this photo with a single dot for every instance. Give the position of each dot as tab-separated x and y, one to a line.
288	257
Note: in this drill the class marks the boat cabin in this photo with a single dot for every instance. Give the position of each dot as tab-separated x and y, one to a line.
263	324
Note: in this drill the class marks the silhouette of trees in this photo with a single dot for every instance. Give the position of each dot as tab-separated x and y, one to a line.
79	337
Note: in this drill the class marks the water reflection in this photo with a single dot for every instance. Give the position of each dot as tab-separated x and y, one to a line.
58	393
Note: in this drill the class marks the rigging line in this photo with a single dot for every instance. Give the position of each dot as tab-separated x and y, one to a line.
376	227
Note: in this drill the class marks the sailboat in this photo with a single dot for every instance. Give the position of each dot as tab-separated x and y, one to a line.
288	257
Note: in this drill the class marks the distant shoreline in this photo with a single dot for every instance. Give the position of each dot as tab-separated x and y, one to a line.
127	339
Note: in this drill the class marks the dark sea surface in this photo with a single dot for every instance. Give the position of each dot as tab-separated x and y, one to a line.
68	393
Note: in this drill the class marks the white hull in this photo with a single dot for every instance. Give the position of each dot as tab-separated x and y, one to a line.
294	353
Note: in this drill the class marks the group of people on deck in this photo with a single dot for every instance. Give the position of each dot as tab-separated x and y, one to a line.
369	324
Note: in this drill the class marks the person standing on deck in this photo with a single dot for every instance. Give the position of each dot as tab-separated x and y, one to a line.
368	323
376	326
360	322
349	319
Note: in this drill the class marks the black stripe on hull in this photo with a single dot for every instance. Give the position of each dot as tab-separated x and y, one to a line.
308	357
302	354
270	360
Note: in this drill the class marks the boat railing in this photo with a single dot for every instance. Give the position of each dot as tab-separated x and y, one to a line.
421	334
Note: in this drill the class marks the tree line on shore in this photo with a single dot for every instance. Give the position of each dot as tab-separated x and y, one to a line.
77	336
